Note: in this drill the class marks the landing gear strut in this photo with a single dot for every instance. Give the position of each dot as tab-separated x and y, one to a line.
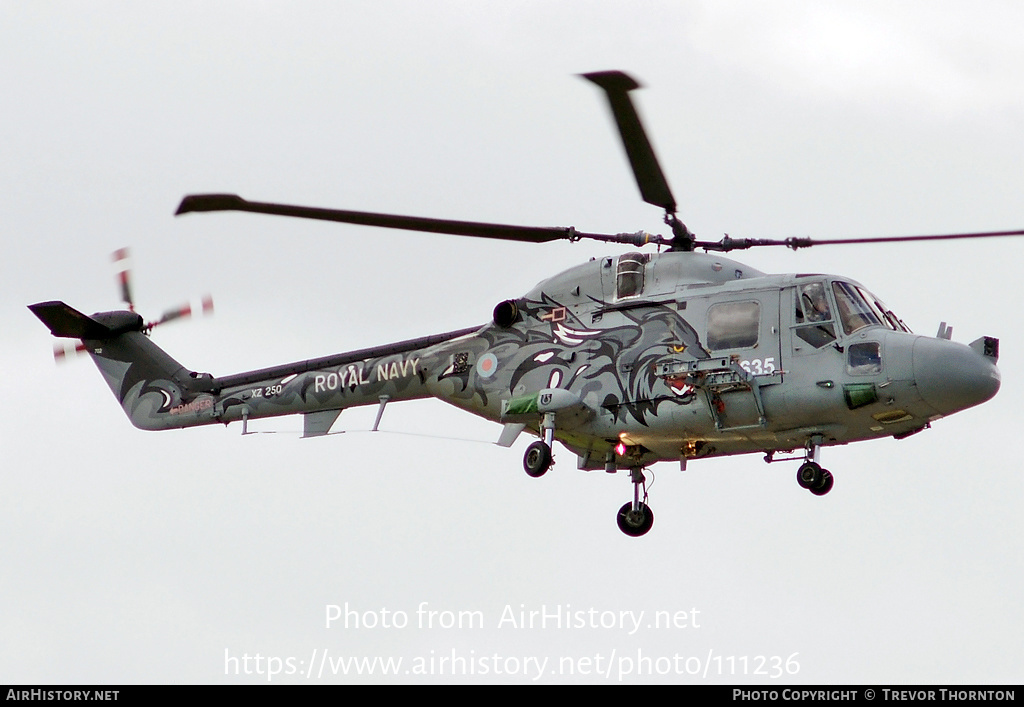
636	518
811	476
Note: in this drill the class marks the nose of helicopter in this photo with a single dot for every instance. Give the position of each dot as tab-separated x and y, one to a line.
951	376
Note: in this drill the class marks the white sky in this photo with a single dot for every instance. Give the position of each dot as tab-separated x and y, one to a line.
142	557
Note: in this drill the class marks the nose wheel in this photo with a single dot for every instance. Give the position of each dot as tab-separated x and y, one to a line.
812	477
636	517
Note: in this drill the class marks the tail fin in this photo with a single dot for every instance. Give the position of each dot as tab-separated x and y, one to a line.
146	381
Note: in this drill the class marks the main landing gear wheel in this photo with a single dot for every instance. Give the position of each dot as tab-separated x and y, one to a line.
635	523
812	477
636	517
537	459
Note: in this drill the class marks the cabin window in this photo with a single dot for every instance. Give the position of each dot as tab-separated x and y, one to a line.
864	359
733	325
629	275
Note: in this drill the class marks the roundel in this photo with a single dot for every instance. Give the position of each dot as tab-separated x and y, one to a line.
487	365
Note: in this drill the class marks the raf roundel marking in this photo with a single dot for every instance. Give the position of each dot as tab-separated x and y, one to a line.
487	365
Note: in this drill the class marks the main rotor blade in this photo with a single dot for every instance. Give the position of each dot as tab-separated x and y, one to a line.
529	234
898	239
649	177
727	244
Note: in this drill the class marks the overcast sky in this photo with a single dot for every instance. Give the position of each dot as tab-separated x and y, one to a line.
131	556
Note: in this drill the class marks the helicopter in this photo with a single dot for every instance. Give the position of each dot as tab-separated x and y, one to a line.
626	360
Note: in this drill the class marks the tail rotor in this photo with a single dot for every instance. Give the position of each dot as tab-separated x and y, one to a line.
67	349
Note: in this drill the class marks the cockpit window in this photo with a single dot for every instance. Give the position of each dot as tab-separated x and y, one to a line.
854	311
883	312
629	275
813	315
812	305
859	308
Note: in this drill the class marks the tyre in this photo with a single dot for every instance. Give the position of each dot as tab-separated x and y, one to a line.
823	486
635	523
809	475
537	459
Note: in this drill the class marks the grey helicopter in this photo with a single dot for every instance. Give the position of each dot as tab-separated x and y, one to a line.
627	360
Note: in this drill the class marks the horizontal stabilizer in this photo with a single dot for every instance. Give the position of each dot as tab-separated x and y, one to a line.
317	424
63	320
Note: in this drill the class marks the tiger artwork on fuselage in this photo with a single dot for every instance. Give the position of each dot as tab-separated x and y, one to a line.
613	366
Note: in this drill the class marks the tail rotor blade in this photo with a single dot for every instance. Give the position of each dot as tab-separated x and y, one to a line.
182	312
186	310
123	264
63	350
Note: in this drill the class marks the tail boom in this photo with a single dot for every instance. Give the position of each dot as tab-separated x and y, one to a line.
158	393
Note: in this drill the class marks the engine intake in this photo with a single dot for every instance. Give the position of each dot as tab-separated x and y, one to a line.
506	314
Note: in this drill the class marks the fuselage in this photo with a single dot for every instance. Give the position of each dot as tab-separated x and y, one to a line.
633	358
682	355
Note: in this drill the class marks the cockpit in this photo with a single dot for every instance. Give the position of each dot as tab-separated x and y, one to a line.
821	316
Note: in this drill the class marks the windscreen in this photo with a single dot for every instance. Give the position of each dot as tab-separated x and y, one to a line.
858	308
